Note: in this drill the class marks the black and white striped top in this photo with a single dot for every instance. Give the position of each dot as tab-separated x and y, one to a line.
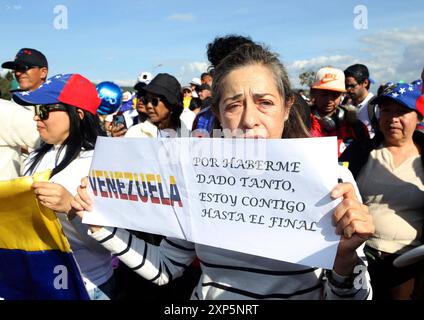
225	274
228	274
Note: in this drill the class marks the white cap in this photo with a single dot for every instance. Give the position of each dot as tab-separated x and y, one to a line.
330	78
145	77
196	81
126	96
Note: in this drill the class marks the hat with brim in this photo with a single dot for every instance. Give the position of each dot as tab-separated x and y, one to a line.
163	85
407	95
71	89
27	57
412	256
330	78
196	81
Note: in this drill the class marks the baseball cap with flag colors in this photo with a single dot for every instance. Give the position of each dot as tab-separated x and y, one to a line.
330	78
408	95
72	89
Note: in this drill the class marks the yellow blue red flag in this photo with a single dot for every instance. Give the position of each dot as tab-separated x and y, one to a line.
36	261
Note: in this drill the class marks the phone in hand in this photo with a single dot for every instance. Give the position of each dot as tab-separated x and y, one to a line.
119	119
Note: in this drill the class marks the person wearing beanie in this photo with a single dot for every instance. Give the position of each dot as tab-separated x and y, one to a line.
65	113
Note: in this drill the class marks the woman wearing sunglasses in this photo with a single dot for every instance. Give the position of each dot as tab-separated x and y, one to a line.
65	114
163	101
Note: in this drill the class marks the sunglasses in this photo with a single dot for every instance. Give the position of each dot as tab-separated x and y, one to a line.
154	101
43	110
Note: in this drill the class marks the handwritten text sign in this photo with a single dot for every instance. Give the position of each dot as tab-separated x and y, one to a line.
263	197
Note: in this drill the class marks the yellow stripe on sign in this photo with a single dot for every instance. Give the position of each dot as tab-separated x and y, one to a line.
24	223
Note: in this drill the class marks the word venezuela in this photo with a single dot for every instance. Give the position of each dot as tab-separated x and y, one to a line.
135	187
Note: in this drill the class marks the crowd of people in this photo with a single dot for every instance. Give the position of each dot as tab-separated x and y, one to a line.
53	123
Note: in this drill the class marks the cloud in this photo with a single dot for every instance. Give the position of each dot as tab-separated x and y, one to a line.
125	83
181	17
390	55
318	62
296	67
190	70
121	83
3	72
395	54
198	67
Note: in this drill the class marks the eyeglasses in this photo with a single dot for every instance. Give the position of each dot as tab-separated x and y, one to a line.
154	101
348	86
43	110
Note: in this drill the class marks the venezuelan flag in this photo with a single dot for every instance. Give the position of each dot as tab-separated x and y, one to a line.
36	261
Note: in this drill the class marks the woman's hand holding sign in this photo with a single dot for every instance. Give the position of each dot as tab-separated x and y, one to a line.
82	202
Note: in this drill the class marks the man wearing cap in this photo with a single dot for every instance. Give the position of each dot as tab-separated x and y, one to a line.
357	80
30	68
333	120
389	170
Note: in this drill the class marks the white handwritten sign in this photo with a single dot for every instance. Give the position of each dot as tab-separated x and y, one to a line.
262	197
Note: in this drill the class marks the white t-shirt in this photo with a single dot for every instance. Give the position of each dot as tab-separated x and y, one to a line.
144	129
363	113
17	129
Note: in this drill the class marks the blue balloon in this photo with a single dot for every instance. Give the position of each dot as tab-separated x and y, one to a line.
111	96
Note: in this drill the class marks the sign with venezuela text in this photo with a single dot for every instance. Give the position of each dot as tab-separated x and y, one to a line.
262	197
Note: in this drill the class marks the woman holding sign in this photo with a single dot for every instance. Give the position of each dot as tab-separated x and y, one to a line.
252	94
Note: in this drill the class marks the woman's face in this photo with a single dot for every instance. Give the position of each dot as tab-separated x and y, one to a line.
156	109
55	129
251	105
397	123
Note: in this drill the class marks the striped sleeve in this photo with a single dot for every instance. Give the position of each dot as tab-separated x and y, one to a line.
159	264
361	289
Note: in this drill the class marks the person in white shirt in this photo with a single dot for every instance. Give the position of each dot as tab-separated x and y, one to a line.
358	82
17	129
65	115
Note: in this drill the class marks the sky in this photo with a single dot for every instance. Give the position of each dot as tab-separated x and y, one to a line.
113	40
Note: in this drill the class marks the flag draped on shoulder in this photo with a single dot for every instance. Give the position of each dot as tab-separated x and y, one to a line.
36	261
